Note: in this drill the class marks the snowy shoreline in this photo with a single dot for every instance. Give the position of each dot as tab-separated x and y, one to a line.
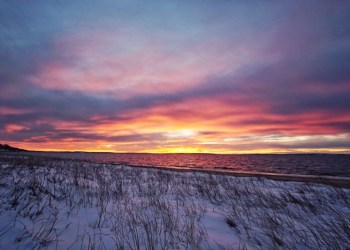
337	181
49	203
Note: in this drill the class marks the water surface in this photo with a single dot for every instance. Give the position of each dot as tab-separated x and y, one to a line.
305	164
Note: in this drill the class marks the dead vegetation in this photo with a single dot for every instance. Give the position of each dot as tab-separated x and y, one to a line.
49	203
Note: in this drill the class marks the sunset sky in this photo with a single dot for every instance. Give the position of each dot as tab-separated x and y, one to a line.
175	76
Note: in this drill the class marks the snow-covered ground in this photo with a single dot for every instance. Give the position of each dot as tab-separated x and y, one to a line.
57	203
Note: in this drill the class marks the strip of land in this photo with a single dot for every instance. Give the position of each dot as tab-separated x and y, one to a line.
337	181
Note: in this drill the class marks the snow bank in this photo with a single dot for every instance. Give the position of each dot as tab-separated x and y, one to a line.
62	204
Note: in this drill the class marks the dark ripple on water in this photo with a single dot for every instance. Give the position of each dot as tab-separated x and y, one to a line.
306	164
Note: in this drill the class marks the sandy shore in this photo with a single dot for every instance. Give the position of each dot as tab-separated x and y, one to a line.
336	181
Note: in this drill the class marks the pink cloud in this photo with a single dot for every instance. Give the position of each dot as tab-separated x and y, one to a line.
129	62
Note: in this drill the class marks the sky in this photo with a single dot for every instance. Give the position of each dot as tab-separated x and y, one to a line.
179	76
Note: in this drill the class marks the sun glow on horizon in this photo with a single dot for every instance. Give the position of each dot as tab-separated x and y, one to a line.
182	133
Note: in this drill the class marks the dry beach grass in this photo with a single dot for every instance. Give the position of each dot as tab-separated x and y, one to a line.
61	203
